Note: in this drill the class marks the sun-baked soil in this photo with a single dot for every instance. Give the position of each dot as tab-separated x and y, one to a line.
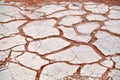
109	2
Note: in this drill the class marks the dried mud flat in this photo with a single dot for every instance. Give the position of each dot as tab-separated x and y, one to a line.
60	40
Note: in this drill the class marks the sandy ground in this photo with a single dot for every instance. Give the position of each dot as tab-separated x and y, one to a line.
60	40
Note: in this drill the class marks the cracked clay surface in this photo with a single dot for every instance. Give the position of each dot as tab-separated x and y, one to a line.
77	40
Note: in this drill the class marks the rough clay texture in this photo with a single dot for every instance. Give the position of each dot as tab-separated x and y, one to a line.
62	40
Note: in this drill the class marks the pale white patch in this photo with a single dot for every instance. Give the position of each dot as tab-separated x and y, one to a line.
15	72
77	55
57	71
47	45
11	42
39	29
31	60
71	34
114	14
88	27
104	39
70	20
112	25
96	17
50	8
67	12
94	70
101	8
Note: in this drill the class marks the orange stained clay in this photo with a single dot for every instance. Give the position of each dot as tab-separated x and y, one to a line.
109	2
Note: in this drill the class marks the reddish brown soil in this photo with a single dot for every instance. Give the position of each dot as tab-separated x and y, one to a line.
109	2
